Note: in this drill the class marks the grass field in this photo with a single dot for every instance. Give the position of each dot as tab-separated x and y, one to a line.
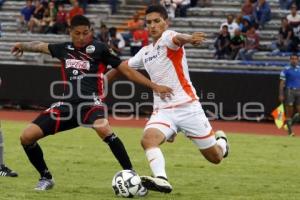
258	168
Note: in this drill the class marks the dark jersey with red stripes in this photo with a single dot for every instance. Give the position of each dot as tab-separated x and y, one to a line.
83	69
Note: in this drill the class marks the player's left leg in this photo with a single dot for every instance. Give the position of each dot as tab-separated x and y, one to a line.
95	115
213	148
4	170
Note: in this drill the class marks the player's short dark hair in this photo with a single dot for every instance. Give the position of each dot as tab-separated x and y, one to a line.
294	54
80	20
158	9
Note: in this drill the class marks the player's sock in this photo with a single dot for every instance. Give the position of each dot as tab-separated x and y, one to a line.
289	126
35	156
118	150
222	143
1	148
156	161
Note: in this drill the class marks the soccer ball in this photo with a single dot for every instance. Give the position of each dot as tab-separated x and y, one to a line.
127	183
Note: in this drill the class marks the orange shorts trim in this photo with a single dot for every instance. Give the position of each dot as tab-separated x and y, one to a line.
203	137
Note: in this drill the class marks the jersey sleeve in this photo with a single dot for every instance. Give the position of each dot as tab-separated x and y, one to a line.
57	50
168	38
137	60
109	58
283	75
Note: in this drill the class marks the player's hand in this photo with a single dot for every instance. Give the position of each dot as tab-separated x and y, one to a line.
281	98
17	50
163	91
197	38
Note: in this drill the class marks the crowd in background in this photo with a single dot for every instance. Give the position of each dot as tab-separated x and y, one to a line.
238	38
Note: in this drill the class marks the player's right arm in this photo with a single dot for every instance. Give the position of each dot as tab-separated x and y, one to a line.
281	86
34	46
281	90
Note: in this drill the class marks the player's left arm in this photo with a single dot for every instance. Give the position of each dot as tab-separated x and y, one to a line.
195	39
137	77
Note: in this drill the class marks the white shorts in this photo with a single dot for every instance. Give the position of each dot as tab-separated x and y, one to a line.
189	119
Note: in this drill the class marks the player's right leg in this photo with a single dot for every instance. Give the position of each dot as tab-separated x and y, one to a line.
47	123
289	111
158	129
29	138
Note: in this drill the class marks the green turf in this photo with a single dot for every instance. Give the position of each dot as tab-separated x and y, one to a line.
258	168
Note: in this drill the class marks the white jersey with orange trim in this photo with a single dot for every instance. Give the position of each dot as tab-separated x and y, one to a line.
166	64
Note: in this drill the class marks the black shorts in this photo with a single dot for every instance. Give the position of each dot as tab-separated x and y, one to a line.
292	97
64	116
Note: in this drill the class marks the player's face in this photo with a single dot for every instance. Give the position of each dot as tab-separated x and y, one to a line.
156	25
81	36
294	60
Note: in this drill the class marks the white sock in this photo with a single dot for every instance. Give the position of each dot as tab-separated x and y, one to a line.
156	161
222	143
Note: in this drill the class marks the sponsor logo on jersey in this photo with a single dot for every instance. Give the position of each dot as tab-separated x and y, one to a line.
90	49
150	58
78	64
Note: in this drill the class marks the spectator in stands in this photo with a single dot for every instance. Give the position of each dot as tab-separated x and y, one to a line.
139	40
239	21
236	43
284	40
132	25
170	7
232	26
285	4
182	6
246	25
247	8
103	35
83	4
49	18
294	21
251	45
37	16
261	13
26	13
113	6
76	10
116	41
60	25
222	44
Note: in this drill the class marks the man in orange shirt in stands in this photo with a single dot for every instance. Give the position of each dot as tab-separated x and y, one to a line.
76	10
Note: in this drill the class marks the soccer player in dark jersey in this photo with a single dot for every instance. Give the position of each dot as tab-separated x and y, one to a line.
84	61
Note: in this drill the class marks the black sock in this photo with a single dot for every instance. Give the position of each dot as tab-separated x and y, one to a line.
289	125
118	150
35	156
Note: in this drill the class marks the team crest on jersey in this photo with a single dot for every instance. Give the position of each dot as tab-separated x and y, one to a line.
70	47
78	64
90	49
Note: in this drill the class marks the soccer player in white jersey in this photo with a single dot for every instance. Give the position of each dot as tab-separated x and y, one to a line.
165	61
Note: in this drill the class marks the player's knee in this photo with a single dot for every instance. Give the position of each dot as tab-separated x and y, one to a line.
26	138
102	127
215	158
30	135
151	139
